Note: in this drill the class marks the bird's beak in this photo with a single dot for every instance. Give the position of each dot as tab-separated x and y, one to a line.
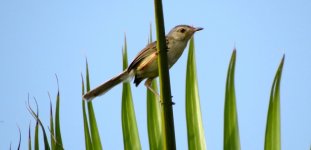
198	29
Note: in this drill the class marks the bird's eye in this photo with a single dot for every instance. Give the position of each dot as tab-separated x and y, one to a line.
182	30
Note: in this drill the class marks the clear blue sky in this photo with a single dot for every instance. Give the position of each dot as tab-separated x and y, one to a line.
41	38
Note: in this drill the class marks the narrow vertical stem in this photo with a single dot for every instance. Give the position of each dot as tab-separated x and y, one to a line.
165	89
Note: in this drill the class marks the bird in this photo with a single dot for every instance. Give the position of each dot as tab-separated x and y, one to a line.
145	64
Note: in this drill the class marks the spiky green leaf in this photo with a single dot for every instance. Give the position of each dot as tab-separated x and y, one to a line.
87	136
195	130
29	138
154	118
58	136
91	116
273	128
20	139
45	139
231	128
129	125
36	141
52	131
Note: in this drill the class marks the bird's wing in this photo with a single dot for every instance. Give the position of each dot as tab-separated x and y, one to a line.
147	51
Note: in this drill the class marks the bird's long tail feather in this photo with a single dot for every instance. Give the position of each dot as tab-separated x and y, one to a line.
102	89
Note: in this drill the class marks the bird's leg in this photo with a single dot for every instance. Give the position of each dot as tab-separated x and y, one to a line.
148	85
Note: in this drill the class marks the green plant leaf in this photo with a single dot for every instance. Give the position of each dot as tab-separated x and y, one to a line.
273	128
129	125
45	139
36	144
195	130
154	118
29	138
168	134
58	136
87	136
92	119
231	128
53	143
36	141
20	139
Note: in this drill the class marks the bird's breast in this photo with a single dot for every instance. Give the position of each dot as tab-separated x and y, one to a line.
175	50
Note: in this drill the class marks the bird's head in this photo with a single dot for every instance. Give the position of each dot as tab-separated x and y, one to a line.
183	32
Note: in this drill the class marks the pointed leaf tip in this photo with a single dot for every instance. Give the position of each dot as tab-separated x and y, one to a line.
231	129
283	59
273	125
234	51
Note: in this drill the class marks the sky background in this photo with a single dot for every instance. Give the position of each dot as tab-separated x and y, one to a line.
39	39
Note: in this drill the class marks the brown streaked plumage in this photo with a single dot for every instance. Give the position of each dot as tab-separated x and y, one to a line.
145	64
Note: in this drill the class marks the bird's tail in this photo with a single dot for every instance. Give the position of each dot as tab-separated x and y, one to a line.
102	89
